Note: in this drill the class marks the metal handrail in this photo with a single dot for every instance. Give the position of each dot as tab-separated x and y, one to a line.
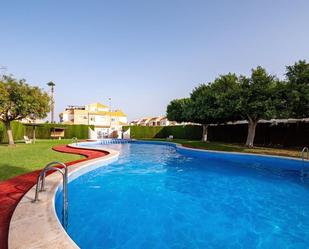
304	150
52	164
41	184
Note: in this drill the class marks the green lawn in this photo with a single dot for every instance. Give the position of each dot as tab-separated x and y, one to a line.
28	157
291	152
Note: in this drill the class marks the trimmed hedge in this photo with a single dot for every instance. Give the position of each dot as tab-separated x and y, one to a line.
18	131
182	132
267	134
144	131
43	131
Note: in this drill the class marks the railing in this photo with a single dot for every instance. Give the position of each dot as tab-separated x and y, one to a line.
40	186
305	150
114	141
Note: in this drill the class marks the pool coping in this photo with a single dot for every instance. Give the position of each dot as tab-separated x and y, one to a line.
31	222
36	225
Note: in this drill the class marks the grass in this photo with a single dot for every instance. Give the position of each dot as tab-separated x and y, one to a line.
289	152
25	158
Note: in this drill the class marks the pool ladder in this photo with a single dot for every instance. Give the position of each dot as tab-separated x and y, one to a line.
303	157
40	186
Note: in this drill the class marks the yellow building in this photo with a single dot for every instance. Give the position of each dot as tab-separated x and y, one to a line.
107	123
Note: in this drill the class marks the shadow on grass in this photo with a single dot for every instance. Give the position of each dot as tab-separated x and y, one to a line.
8	171
231	147
214	146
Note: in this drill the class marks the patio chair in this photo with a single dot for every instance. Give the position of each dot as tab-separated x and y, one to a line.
27	140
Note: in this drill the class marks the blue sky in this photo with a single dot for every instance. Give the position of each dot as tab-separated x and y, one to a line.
143	53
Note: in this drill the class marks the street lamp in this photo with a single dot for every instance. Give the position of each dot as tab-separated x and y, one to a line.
2	71
110	114
52	101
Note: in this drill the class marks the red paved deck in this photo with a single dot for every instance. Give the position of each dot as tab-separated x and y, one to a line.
12	190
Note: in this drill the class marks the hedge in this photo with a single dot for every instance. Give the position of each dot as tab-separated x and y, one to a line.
182	132
18	131
267	134
43	131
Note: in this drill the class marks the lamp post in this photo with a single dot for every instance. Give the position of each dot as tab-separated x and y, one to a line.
52	101
2	71
110	114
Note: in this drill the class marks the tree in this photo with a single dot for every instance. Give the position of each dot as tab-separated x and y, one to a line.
200	108
225	88
257	99
177	110
297	89
18	100
214	103
210	103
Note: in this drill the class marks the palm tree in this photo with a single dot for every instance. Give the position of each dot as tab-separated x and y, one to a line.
52	101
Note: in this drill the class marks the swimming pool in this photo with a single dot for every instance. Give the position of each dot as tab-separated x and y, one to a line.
160	196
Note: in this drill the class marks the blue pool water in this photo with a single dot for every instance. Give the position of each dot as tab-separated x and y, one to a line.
158	196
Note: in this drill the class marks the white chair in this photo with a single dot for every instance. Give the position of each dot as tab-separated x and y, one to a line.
27	140
170	137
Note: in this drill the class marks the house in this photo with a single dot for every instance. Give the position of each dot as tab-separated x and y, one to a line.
154	121
106	122
144	122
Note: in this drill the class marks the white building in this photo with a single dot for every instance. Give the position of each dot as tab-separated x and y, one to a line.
106	122
154	121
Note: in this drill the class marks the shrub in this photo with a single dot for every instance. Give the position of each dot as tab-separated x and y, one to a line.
43	131
183	132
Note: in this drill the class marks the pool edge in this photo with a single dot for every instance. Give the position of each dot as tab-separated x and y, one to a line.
27	217
37	225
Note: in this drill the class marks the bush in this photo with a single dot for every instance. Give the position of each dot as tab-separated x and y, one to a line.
18	131
182	132
145	131
43	131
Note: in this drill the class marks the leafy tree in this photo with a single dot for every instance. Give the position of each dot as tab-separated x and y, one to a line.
200	108
213	103
257	99
297	89
18	100
225	88
177	110
208	104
